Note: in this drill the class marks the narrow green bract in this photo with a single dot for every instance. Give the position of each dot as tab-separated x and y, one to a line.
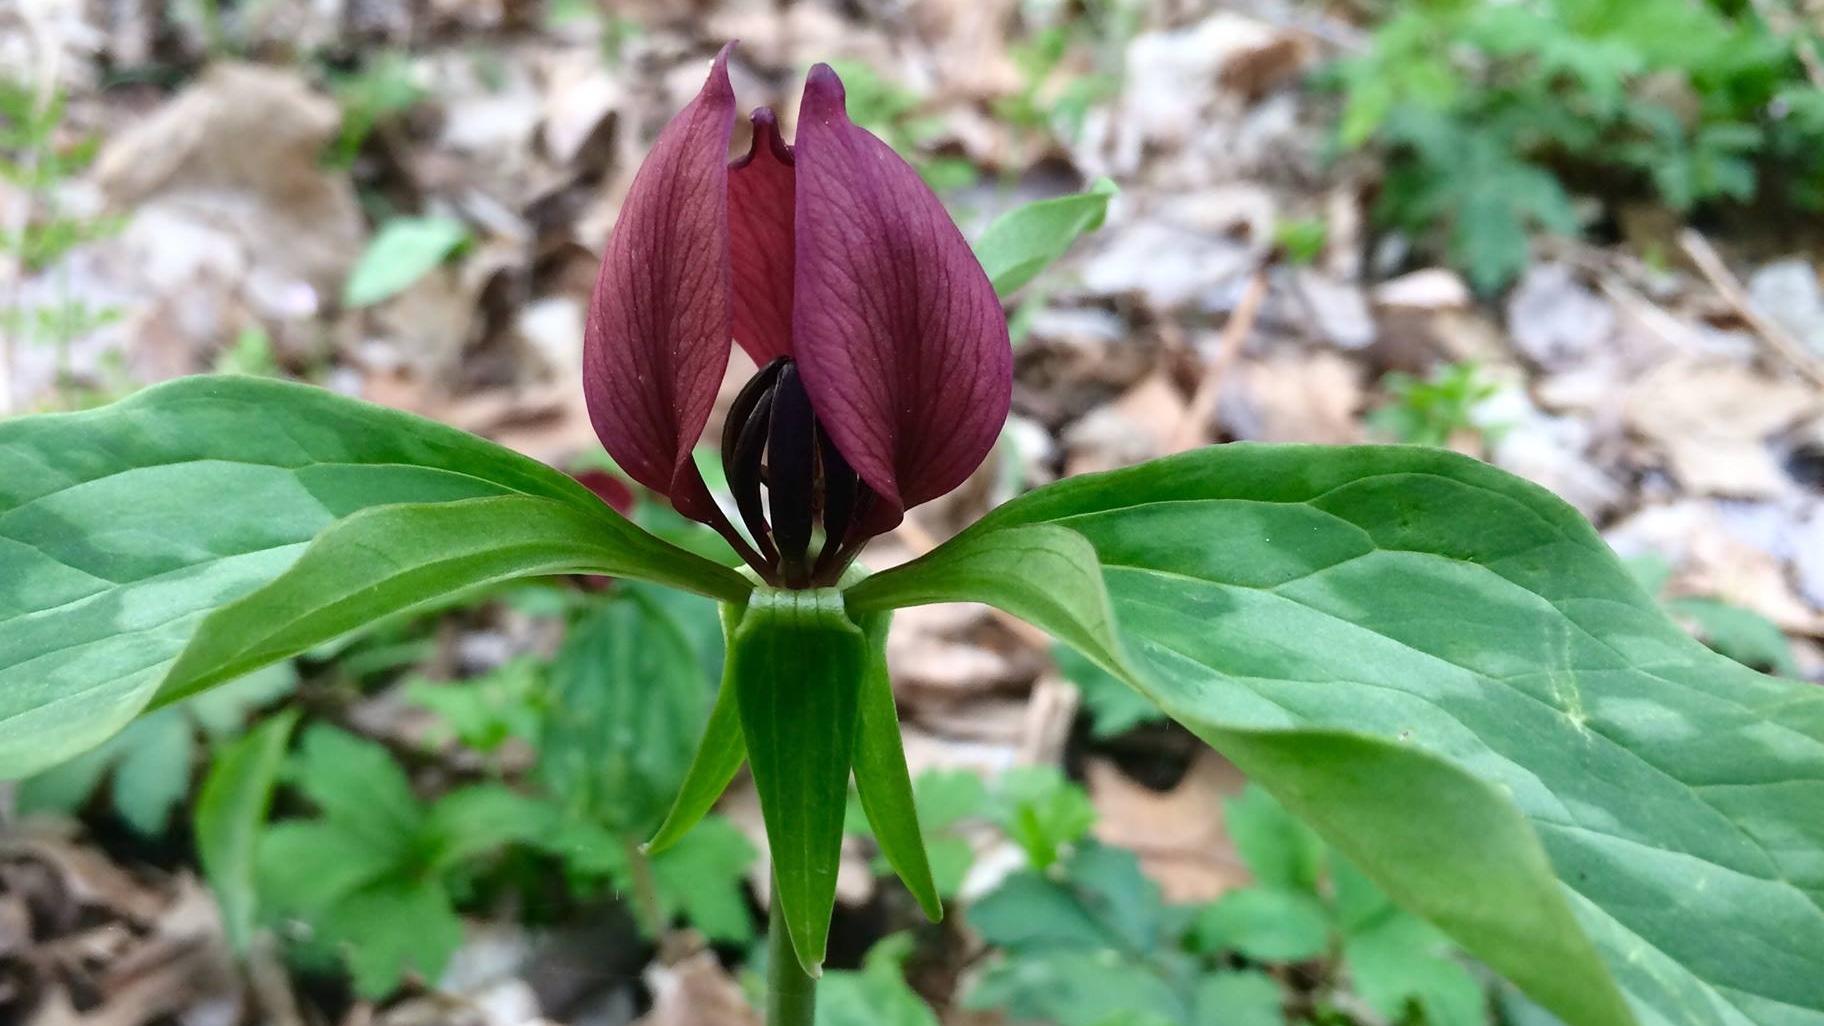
796	662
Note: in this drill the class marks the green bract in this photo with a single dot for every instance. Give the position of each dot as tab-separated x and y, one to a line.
1439	666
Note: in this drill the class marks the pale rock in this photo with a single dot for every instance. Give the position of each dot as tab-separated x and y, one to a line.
1788	291
1168	265
1173	75
1555	320
1549	451
553	329
1337	310
1434	288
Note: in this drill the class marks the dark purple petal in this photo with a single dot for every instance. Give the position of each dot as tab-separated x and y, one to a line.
760	237
608	488
896	329
656	344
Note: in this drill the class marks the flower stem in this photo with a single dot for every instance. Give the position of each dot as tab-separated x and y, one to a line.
791	994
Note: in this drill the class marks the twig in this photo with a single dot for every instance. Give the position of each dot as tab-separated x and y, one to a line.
1730	288
1202	409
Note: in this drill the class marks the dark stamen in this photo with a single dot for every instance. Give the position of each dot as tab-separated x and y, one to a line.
743	446
791	474
841	490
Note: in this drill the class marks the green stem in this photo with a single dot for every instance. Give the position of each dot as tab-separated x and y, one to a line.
646	906
791	994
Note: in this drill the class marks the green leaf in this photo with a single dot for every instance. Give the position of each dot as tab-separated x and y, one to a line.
231	809
122	528
405	250
1043	813
480	818
797	661
359	787
1278	849
719	756
1741	634
1401	961
387	560
629	703
1079	988
1114	708
702	878
1264	923
878	994
153	773
882	778
1240	998
1443	669
392	927
1022	242
1101	901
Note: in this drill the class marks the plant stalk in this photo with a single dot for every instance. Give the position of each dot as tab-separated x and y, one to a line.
791	994
647	908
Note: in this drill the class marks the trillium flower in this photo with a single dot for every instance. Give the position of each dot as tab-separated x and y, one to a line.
886	372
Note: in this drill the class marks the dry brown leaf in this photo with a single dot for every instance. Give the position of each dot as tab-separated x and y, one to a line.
696	992
240	149
1711	420
1178	834
1294	397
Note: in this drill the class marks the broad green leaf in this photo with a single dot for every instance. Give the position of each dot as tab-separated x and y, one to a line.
149	762
1240	998
1278	849
1266	924
877	995
1114	708
1443	669
1741	634
630	700
1400	961
797	661
1101	901
882	779
405	250
1079	988
386	560
702	879
230	812
392	927
303	866
480	818
1043	813
1022	242
358	786
122	528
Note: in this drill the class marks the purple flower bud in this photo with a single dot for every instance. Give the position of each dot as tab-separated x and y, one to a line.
887	369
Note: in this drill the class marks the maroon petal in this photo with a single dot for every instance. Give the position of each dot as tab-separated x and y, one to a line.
895	328
760	236
656	343
608	488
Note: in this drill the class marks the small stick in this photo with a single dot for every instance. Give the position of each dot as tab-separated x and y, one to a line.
1730	288
1202	409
